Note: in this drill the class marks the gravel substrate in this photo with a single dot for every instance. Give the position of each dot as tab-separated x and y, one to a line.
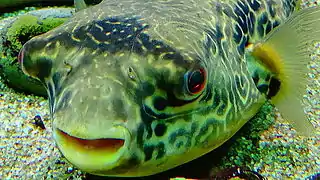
27	150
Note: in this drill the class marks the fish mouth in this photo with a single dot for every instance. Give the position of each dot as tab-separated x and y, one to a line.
92	154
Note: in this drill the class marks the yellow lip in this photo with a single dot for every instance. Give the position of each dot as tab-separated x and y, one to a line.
90	155
111	145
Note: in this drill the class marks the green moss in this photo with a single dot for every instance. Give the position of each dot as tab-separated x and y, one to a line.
23	29
243	148
13	76
28	26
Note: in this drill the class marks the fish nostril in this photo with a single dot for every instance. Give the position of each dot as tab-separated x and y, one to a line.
131	73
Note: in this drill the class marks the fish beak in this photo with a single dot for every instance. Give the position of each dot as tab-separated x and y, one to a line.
94	154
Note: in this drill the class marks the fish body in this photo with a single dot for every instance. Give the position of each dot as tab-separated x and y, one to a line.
138	87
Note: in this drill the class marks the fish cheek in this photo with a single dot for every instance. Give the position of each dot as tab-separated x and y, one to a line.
39	68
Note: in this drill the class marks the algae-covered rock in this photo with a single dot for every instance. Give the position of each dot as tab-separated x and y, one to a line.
15	3
244	148
14	32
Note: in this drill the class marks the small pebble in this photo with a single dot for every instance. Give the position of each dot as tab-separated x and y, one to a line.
70	170
38	121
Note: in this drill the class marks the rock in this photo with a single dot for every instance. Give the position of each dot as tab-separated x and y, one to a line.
14	32
16	3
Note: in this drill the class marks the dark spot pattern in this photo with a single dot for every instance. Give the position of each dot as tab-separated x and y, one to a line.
182	138
254	5
268	27
151	113
289	6
255	77
267	77
242	11
161	150
160	129
242	45
209	44
115	34
244	26
263	88
147	89
201	139
56	78
238	34
149	149
263	19
240	82
245	18
216	35
274	87
140	135
44	66
112	36
243	29
251	21
270	7
147	120
223	103
216	99
160	103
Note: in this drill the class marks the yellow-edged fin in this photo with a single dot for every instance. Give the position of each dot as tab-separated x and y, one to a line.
79	5
286	52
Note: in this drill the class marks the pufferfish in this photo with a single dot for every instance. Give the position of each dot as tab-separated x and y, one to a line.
137	87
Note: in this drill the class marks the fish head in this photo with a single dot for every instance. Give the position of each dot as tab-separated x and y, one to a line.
122	103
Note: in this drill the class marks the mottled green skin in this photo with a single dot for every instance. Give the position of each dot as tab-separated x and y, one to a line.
117	70
228	153
240	150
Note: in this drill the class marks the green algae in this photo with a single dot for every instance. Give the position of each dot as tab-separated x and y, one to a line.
28	26
243	149
23	29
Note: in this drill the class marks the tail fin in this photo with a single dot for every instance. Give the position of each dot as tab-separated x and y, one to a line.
286	52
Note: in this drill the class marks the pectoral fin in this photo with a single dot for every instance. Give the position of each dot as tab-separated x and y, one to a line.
286	52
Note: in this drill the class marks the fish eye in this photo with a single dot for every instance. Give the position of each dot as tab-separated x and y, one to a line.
195	81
